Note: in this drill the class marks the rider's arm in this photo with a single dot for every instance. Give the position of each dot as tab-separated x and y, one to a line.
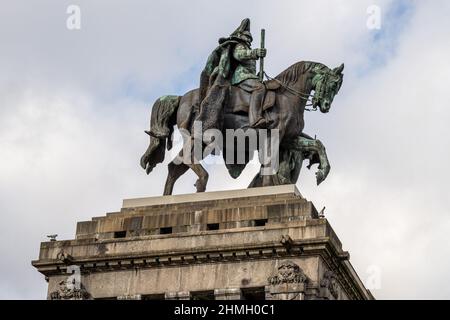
242	53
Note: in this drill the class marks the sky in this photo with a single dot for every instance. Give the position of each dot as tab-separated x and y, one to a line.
74	105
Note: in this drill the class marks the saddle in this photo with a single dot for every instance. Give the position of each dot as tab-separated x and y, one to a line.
239	99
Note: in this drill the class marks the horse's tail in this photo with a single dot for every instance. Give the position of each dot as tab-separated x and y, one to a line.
162	120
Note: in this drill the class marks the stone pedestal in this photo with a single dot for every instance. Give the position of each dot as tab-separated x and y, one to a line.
261	243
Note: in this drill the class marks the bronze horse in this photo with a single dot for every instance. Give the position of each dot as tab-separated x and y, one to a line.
292	93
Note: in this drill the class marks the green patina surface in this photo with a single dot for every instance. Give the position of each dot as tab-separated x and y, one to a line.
246	68
233	62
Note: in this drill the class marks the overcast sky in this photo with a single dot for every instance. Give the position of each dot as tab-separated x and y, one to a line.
74	104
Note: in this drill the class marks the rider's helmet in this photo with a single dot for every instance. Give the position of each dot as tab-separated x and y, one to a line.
243	31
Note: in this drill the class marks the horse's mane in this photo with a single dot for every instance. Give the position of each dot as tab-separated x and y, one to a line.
291	74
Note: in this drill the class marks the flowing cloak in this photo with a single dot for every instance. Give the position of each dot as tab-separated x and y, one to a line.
215	84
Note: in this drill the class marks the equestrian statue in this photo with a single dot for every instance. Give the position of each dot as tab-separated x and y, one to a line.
233	96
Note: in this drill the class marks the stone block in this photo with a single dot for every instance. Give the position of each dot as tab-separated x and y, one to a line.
131	254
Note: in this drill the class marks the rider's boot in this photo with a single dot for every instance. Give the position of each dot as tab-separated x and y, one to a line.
256	119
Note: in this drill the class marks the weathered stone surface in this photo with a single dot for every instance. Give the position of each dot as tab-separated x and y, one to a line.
264	242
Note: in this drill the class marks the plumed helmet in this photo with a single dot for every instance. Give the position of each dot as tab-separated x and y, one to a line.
243	29
240	32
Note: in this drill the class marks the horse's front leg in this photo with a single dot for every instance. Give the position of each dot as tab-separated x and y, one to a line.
324	166
307	144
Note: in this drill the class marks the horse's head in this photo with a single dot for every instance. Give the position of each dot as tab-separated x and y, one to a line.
326	84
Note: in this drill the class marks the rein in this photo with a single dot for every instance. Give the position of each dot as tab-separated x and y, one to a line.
301	95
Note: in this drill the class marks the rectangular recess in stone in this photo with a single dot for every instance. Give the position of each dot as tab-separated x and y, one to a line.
212	226
165	230
260	222
203	295
256	293
120	234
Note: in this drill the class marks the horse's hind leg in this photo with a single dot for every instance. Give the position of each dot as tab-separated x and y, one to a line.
175	171
202	176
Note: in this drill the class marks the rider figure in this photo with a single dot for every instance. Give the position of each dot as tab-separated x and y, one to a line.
244	75
233	62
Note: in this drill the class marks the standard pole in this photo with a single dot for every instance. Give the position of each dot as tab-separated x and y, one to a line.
261	60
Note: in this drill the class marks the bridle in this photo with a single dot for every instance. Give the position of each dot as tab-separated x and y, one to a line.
318	92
